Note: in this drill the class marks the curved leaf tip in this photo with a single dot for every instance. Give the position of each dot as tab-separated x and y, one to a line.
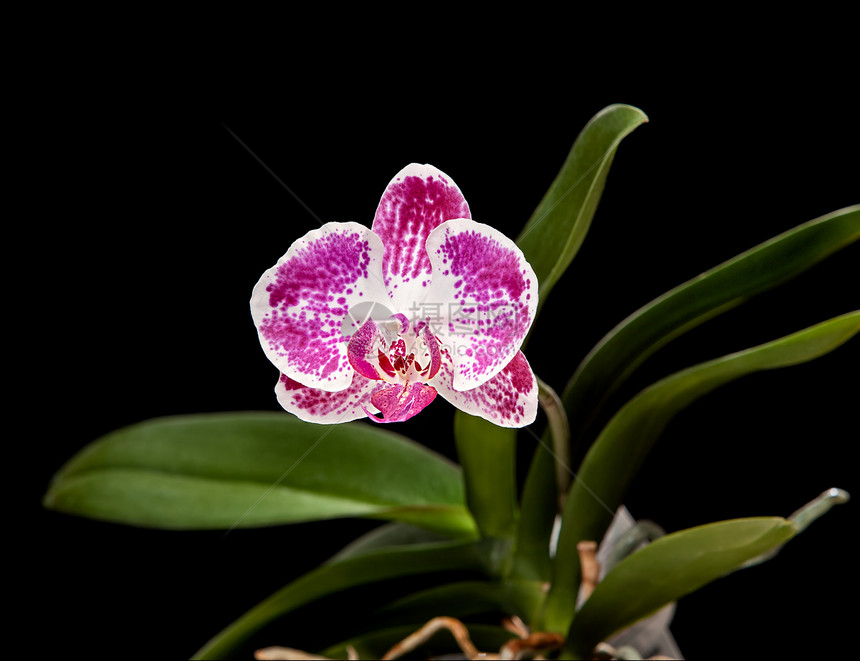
666	570
554	233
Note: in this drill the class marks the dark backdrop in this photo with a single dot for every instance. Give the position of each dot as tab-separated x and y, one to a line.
151	223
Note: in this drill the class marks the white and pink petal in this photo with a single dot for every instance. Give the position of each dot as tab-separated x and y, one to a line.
328	408
485	294
416	201
299	305
509	399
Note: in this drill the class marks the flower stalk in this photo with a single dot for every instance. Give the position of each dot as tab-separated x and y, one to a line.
559	430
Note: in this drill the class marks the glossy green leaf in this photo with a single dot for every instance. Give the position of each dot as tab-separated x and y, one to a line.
258	469
550	241
765	266
557	228
362	569
615	457
666	570
487	454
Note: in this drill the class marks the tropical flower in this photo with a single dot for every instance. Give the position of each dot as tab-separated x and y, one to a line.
368	322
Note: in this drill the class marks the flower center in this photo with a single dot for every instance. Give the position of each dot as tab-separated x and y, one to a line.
391	351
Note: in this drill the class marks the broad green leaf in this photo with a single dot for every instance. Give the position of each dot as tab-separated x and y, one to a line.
666	570
487	454
765	266
257	469
366	568
615	457
557	228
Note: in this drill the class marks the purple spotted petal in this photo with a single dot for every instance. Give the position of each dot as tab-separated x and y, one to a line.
361	346
485	294
416	201
435	353
509	399
402	401
323	407
299	305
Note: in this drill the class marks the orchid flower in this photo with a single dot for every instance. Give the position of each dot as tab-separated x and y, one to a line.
367	322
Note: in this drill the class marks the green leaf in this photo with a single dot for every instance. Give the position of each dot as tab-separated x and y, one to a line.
550	241
363	569
666	570
765	266
557	228
258	469
615	457
487	454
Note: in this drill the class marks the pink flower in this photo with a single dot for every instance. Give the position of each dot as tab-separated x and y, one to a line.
362	322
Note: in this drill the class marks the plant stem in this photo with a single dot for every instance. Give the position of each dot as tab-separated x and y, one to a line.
559	430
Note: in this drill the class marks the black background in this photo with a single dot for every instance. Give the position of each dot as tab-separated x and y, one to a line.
147	224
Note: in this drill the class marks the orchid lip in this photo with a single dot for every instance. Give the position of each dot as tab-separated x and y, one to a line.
390	351
401	402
